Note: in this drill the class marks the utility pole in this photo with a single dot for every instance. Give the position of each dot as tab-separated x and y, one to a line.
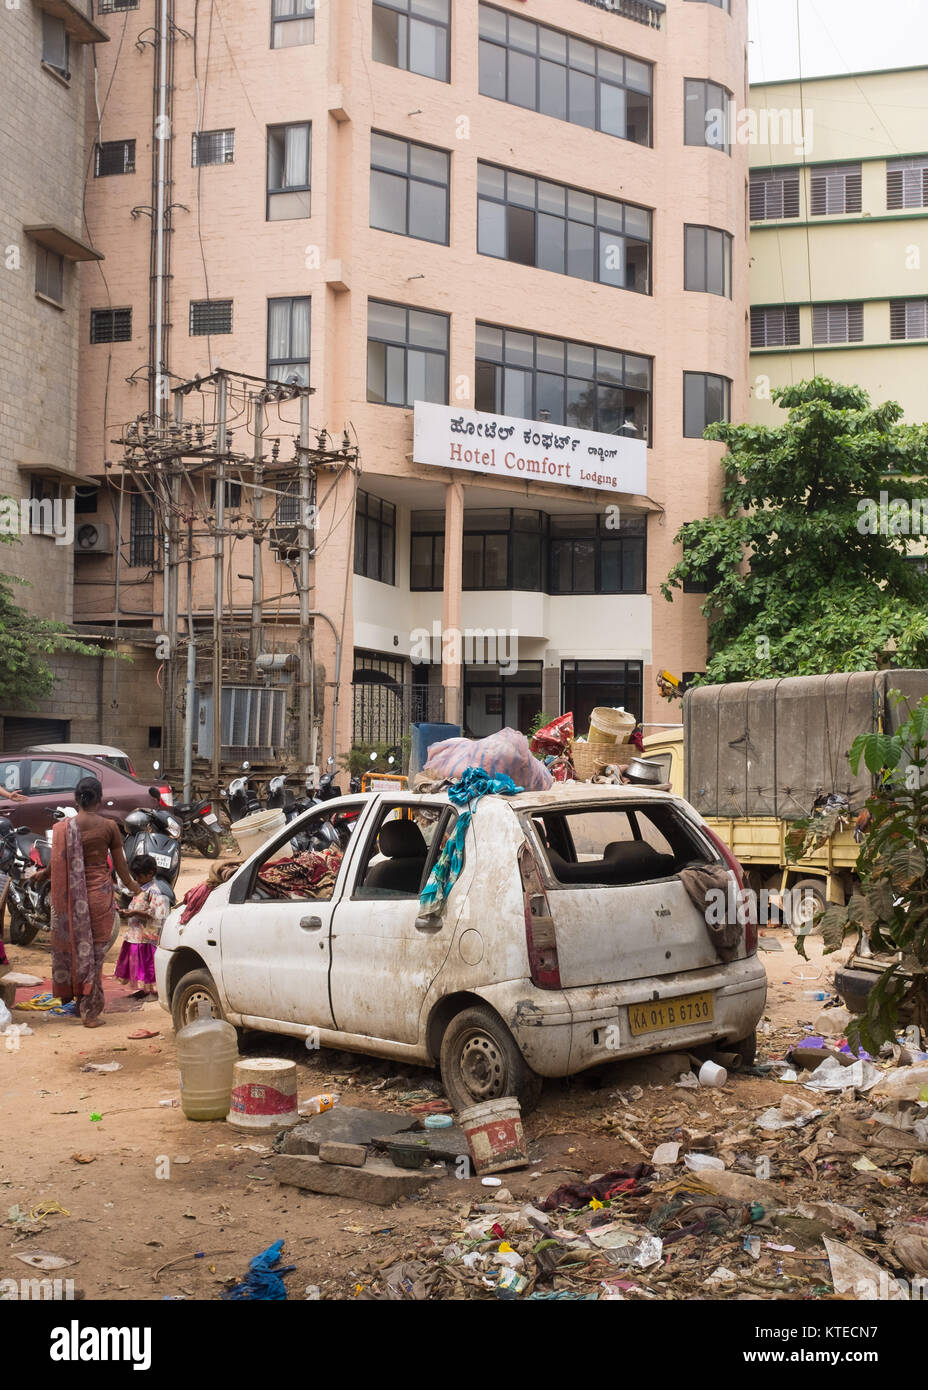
257	579
191	686
222	385
305	534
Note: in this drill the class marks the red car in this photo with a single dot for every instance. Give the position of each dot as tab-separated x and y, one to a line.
40	782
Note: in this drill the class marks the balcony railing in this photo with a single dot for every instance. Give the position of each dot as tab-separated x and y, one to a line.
642	11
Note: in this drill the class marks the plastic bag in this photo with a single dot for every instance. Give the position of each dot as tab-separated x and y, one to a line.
6	1018
506	753
554	737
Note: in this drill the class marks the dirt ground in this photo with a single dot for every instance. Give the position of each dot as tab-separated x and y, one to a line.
135	1224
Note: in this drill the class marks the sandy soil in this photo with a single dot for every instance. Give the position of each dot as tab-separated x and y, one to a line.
215	1193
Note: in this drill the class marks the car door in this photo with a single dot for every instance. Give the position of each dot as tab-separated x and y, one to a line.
276	950
383	963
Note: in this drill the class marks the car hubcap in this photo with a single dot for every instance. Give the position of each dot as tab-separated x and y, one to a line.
192	1007
483	1067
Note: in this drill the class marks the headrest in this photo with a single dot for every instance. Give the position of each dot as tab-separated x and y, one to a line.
401	839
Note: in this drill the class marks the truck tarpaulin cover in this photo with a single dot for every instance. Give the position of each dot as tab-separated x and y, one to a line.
769	748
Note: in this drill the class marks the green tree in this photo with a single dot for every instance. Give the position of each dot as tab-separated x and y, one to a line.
25	642
804	573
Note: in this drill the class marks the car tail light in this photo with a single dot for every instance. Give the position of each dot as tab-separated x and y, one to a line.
166	795
746	905
540	936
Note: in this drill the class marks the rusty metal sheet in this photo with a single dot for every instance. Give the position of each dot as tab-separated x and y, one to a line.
701	745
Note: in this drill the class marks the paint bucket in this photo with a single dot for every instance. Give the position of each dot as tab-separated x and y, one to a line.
711	1074
494	1134
610	725
252	832
263	1094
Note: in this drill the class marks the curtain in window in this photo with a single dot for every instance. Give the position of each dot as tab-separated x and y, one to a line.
296	157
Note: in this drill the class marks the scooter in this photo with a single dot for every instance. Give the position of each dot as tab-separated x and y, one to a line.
158	833
199	827
242	797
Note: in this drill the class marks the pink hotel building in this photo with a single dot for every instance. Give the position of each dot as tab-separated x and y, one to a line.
508	252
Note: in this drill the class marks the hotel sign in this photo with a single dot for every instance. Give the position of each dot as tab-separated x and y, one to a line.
500	446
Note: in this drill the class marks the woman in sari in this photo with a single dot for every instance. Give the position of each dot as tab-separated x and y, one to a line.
83	910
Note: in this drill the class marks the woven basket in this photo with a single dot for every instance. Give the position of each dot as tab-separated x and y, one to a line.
590	758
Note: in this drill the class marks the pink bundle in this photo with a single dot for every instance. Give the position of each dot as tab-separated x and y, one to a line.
506	753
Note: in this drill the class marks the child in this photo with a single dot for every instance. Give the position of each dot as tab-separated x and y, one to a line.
146	913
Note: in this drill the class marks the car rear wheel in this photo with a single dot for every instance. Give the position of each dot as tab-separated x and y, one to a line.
480	1061
195	988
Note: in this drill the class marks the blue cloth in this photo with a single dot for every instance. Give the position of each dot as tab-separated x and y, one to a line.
473	783
263	1280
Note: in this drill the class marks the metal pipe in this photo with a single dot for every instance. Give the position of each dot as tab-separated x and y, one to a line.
306	670
218	554
257	580
315	613
162	135
190	691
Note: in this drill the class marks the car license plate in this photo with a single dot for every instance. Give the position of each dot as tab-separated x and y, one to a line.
162	860
210	819
670	1013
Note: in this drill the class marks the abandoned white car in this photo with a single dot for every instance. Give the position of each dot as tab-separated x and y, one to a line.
568	940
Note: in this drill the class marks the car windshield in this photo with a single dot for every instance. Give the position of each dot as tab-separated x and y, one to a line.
618	844
119	764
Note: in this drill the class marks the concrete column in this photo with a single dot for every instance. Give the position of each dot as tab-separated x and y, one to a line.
452	675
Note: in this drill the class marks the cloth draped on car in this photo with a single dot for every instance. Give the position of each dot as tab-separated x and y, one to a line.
467	791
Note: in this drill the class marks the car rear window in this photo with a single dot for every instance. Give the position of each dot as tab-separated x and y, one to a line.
119	764
618	844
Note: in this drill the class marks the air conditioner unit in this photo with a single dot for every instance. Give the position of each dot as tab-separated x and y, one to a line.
93	538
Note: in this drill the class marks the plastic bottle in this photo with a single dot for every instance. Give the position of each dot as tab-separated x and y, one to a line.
316	1104
207	1050
814	994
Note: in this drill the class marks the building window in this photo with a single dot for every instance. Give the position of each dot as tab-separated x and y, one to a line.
774	194
293	23
212	147
110	325
719	4
407	355
375	539
496	697
114	157
287	505
706	398
427	551
908	318
588	556
288	167
112	6
288	323
555	227
49	274
208	316
907	183
706	120
587	684
409	188
231	494
775	327
836	189
707	260
45	496
545	70
141	533
415	35
566	383
838	323
56	45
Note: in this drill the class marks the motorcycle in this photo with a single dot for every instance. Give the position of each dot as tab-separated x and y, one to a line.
242	797
199	827
22	856
156	832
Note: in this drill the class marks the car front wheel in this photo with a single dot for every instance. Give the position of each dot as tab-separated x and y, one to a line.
193	989
480	1061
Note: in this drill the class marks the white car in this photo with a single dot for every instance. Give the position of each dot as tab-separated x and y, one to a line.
567	941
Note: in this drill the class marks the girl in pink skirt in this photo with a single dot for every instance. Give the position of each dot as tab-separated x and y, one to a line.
146	912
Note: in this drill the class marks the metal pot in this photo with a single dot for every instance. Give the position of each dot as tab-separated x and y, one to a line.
646	771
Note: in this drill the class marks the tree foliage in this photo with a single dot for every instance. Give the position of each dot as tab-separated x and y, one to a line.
25	642
803	576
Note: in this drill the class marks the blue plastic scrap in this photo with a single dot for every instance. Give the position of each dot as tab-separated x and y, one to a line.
264	1280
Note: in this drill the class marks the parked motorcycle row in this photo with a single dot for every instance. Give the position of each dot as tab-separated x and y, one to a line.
162	832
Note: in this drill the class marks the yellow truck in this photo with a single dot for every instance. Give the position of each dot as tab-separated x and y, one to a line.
755	757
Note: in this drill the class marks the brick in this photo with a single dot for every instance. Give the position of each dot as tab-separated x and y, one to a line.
352	1155
378	1183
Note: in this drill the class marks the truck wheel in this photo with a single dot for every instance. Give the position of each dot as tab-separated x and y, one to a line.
480	1060
195	987
808	888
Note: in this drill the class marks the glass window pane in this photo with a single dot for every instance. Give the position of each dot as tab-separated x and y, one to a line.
472	577
491	181
386	47
520	190
428	330
386	321
428	164
521	236
582	89
299	329
560	567
637	75
428	50
489	342
695	251
428	211
551	44
522	71
376	373
517	393
612	110
582	55
387	539
695	117
388	202
415	376
715	399
436	378
638	118
584	577
581	260
580	206
693	405
551	197
550	354
609	567
715	282
638	222
520	348
487	388
550	250
491	229
420	565
638	371
523	34
492	23
552	90
611	64
580	403
431	9
388	153
609	214
496	561
526	560
611	259
549	397
580	360
396	393
633	566
609	365
492	70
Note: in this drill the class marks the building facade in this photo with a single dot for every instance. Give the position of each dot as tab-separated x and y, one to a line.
505	244
839	265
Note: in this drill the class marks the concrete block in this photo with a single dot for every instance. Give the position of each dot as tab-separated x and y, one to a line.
352	1155
378	1183
345	1124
